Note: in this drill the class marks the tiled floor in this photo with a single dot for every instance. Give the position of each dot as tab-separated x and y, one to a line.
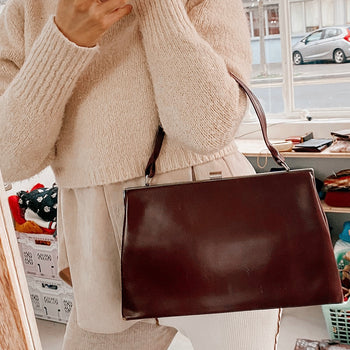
303	322
296	323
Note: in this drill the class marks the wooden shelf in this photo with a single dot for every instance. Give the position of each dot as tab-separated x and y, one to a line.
329	209
255	148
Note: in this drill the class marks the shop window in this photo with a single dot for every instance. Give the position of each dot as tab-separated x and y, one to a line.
287	87
273	20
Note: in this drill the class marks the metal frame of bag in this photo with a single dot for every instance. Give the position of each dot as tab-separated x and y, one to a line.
245	243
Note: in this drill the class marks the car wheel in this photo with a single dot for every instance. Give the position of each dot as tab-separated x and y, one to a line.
297	58
339	56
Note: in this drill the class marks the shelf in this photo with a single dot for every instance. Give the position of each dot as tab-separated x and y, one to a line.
256	148
329	209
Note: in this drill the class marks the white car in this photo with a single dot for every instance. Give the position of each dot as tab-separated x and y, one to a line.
330	44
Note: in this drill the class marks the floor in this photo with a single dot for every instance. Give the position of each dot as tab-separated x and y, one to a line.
306	322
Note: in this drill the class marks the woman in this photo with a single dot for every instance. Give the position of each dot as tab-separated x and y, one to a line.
85	85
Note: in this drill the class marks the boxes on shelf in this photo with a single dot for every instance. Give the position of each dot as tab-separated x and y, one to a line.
52	299
337	316
39	254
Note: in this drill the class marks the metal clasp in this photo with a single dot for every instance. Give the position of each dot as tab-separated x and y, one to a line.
148	180
215	175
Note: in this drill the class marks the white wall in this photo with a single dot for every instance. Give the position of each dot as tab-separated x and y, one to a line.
46	177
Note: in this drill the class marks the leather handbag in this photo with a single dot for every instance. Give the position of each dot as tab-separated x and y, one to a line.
245	243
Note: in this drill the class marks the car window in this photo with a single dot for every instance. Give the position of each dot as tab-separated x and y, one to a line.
314	36
331	32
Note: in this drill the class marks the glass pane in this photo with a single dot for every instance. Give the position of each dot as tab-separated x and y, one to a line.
331	32
267	58
321	56
271	98
322	95
315	36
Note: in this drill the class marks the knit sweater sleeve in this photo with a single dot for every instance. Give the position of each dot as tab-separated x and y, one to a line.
189	51
34	87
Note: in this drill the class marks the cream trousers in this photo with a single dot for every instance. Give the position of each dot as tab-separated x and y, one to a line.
90	235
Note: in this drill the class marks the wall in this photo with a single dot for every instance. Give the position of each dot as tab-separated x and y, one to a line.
46	177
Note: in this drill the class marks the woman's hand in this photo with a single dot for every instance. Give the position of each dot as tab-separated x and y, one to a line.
84	21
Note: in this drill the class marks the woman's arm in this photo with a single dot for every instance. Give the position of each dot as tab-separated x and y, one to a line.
35	87
188	54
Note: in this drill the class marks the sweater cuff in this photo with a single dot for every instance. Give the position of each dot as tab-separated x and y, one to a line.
51	69
163	19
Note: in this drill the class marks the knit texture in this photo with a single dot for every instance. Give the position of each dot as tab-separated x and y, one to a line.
100	107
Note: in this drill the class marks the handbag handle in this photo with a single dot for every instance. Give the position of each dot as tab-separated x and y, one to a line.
278	158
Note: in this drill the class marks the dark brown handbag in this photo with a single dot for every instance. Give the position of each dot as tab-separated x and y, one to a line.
246	243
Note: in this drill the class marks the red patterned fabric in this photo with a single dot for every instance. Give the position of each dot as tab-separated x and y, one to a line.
16	210
338	198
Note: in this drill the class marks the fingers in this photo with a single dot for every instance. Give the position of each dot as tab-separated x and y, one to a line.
85	21
116	9
119	13
109	6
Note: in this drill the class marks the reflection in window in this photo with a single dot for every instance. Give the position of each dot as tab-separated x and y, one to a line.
331	32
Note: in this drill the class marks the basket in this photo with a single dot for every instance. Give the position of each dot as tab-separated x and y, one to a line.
337	316
52	299
39	254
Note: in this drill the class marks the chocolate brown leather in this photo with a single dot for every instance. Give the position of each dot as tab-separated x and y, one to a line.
246	243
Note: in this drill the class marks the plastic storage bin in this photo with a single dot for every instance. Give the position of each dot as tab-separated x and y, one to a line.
52	299
39	254
337	316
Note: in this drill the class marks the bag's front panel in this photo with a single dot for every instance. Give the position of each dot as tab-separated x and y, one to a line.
247	243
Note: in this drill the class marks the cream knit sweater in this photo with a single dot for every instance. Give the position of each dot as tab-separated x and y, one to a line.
92	113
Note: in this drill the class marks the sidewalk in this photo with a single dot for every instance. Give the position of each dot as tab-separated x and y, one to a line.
301	72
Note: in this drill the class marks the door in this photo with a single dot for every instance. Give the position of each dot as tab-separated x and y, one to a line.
18	329
311	50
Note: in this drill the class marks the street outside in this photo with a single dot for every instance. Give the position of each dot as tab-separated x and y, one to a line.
309	89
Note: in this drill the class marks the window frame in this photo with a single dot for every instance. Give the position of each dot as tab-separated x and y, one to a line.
290	112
